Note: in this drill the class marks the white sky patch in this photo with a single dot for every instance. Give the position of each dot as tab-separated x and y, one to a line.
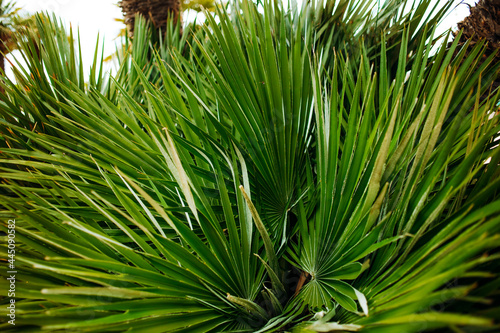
95	17
90	17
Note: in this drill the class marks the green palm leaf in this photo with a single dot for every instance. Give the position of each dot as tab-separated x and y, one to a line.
255	175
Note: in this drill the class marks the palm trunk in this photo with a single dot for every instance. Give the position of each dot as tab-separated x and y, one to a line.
156	11
4	40
2	66
483	23
3	50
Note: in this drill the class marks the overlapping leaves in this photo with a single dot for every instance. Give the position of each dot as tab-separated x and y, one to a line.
263	182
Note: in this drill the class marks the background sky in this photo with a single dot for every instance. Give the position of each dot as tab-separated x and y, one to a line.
94	17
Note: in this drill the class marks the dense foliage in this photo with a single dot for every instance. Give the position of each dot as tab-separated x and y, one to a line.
315	169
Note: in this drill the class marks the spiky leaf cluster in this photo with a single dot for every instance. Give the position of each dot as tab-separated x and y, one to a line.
307	169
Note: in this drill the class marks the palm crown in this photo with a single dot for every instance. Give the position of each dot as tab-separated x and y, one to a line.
10	22
307	169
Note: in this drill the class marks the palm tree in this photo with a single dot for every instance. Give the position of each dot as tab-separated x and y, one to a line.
483	24
10	22
159	12
7	14
270	180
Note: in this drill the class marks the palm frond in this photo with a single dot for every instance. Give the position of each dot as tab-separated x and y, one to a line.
255	176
